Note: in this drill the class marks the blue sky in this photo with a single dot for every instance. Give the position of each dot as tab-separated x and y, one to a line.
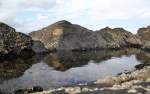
27	16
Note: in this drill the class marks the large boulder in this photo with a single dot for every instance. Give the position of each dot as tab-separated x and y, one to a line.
12	42
64	35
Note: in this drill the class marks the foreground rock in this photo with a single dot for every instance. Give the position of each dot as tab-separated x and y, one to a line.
136	82
64	35
12	42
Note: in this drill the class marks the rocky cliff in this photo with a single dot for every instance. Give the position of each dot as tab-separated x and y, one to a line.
12	42
144	35
64	35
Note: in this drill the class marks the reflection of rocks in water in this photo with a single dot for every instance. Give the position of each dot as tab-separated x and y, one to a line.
65	60
15	67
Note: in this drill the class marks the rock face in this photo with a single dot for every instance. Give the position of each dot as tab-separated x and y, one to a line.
144	34
38	47
13	42
64	35
118	38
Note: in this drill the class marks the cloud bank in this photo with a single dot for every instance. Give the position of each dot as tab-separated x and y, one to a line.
27	16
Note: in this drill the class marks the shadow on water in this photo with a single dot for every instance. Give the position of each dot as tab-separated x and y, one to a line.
63	68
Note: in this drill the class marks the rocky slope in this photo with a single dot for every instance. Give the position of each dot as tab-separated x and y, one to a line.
64	35
144	34
16	43
12	42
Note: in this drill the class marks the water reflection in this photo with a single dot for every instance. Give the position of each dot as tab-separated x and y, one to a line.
64	68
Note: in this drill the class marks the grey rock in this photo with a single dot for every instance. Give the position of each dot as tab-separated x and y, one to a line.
38	47
64	35
144	34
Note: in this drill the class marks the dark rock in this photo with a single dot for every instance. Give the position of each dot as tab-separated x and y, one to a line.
37	89
140	66
20	91
64	35
38	47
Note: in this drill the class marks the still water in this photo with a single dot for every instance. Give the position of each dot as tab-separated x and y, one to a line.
66	68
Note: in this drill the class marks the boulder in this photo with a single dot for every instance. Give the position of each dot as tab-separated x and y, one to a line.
64	35
12	42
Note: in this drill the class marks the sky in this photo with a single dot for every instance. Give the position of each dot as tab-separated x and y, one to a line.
31	15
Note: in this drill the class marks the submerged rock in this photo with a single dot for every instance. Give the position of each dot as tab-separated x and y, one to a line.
64	35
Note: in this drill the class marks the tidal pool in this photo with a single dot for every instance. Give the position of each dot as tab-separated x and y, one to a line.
66	68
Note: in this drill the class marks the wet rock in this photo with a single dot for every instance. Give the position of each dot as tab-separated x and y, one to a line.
27	91
37	89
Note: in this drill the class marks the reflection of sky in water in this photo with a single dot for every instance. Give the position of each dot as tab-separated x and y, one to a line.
42	75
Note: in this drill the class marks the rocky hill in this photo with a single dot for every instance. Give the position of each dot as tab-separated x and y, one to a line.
12	42
64	35
144	35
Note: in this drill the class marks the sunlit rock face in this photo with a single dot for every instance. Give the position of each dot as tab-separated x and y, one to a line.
12	41
64	35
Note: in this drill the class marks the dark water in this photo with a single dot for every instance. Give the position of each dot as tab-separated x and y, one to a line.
67	68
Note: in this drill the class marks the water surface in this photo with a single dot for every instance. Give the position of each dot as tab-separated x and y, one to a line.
66	68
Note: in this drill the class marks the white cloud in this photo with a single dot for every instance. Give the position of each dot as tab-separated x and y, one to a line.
81	11
8	9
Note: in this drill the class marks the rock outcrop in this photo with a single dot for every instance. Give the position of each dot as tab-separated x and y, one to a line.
12	42
64	35
144	34
118	38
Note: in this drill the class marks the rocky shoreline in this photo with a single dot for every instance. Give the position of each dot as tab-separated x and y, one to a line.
64	35
135	82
